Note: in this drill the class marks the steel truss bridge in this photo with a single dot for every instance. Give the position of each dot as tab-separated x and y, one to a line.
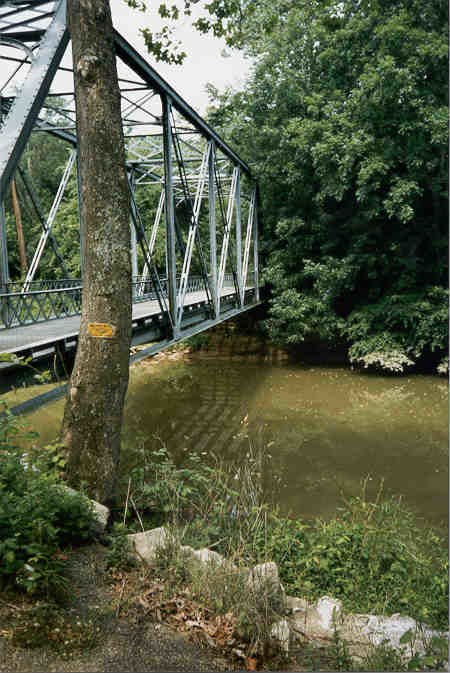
194	221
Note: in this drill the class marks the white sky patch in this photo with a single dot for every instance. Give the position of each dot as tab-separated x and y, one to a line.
204	63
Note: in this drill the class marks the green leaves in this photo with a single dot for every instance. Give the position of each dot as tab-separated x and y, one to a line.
374	556
37	515
345	122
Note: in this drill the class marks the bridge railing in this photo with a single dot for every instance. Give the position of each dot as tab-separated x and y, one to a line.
17	286
25	308
50	299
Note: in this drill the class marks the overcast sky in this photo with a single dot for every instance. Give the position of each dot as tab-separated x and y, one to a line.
204	63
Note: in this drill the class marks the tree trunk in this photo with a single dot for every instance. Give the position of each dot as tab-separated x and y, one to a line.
92	422
19	228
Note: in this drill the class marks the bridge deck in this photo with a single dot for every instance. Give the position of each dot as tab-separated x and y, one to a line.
19	339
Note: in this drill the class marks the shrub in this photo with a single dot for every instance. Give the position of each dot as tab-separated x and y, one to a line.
374	556
38	517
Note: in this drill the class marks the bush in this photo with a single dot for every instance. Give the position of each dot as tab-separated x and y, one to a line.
38	517
374	556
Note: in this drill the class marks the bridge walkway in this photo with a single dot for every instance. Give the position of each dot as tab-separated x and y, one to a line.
38	336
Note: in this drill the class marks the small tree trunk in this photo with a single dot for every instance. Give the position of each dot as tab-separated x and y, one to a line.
92	422
19	228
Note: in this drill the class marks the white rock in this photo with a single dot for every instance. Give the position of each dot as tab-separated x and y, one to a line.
146	544
101	516
100	512
329	611
315	620
281	632
206	555
295	604
264	579
264	574
392	629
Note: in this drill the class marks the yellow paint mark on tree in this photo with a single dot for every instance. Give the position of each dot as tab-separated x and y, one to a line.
101	330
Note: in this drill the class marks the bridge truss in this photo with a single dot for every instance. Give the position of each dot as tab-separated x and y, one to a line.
193	201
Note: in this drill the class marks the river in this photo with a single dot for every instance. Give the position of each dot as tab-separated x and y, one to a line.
318	432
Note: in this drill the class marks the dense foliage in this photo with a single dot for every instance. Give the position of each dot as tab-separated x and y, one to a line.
345	121
373	556
38	517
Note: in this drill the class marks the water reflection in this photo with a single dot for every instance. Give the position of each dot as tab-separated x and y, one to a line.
319	431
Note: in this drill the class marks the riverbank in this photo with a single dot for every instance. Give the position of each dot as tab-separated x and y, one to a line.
89	633
145	601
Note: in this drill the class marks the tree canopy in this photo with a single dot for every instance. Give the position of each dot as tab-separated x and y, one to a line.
345	121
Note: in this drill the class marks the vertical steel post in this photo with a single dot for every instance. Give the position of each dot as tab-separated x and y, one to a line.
239	237
133	247
169	211
255	246
80	214
212	227
4	268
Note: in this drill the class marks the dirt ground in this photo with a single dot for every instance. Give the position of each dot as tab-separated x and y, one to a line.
122	643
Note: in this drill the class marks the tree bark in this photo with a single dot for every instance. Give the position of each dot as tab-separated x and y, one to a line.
19	228
92	422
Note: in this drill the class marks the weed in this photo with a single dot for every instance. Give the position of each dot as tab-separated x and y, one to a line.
118	554
46	625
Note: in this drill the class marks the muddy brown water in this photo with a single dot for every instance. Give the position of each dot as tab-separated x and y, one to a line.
318	431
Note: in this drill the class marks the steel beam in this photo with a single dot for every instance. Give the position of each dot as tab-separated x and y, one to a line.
193	232
27	104
226	236
255	246
133	246
50	220
248	237
169	210
212	226
134	60
239	236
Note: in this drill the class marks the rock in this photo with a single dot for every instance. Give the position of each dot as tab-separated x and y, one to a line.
391	630
101	516
294	604
206	555
264	579
329	611
146	544
281	633
315	620
101	512
187	550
